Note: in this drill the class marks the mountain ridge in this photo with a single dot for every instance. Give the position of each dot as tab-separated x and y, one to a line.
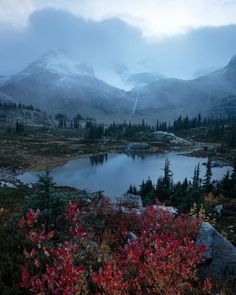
55	83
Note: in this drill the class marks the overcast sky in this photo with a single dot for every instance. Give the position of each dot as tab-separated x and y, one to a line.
178	38
153	17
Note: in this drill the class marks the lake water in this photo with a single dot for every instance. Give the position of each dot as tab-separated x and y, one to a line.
113	173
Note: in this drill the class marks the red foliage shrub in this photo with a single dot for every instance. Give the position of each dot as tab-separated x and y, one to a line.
51	269
162	260
118	221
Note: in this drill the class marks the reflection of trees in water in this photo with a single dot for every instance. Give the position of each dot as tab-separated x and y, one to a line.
96	160
136	156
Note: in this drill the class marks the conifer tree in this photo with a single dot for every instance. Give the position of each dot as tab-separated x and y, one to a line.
164	185
207	183
196	177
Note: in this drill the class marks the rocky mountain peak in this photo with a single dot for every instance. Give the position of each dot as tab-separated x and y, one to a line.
56	62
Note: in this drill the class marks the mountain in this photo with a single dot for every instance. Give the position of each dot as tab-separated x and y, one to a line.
141	79
3	79
55	84
168	98
225	107
11	113
136	78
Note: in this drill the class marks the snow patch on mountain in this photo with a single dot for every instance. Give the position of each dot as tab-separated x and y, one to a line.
57	63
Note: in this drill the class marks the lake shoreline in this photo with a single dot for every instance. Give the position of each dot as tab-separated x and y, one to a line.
98	172
39	162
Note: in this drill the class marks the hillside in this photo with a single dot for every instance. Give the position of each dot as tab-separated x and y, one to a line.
189	97
12	113
55	84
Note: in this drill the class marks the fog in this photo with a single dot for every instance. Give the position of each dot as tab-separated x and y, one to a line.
113	44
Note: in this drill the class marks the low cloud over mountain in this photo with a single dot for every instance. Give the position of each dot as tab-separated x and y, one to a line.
56	83
111	42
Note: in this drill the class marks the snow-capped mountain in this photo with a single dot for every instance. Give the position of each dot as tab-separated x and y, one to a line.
168	98
57	63
55	83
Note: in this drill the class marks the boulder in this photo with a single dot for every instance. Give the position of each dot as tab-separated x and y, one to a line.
169	137
137	147
218	210
172	210
132	236
7	184
135	200
220	256
206	238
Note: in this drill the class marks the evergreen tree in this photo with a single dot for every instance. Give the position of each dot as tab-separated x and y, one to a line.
233	180
199	120
232	142
164	185
167	180
226	182
130	190
20	128
207	183
196	177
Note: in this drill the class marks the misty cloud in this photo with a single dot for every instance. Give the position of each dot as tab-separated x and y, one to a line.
106	42
156	18
114	43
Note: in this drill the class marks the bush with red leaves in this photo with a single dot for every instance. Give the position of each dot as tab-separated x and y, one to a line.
162	260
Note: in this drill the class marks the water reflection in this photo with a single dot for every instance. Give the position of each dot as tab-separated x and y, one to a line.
135	156
97	160
113	173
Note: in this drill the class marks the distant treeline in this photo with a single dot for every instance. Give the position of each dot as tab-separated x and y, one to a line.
214	129
185	123
128	129
96	131
75	123
14	106
183	193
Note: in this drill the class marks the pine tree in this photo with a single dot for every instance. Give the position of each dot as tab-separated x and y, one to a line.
164	185
196	177
233	180
130	190
207	183
46	182
199	120
226	183
167	180
232	141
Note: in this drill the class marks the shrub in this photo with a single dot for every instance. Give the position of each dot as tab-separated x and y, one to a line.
162	259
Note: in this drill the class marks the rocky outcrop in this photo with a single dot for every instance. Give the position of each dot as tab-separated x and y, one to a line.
137	147
172	210
135	200
8	179
169	137
27	116
220	256
218	210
